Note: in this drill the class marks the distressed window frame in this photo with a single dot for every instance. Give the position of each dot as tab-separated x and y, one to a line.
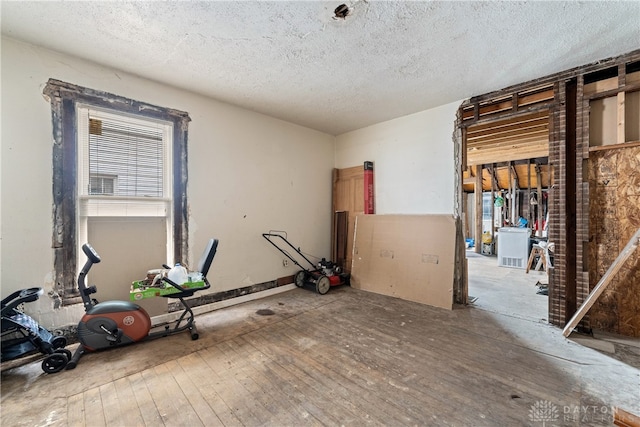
64	98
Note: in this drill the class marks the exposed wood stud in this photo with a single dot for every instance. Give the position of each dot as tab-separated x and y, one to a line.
464	148
493	198
615	146
516	184
509	214
621	119
478	213
540	212
529	209
614	91
494	177
622	75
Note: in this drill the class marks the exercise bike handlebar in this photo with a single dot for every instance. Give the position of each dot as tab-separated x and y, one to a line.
85	292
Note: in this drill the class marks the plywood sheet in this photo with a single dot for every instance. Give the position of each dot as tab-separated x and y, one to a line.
406	256
614	216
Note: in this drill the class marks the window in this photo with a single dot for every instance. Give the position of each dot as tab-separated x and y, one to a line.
102	184
126	157
113	156
124	168
487	206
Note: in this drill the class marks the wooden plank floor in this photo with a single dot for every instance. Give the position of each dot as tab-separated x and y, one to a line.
345	358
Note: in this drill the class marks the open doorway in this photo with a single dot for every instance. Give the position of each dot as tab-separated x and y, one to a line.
509	256
591	116
505	210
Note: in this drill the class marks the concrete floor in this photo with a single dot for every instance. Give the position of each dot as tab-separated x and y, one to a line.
512	292
504	290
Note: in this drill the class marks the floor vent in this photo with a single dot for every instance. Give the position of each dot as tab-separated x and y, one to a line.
512	262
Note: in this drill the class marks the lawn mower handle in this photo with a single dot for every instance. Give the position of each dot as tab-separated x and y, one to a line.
273	233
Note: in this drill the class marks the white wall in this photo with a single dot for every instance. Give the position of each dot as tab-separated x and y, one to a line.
414	160
248	173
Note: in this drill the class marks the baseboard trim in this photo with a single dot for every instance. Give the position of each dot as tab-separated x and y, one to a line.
217	305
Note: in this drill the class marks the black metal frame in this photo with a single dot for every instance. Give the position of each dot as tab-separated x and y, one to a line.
282	235
21	339
318	275
189	324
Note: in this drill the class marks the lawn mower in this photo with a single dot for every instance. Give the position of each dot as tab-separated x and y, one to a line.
323	276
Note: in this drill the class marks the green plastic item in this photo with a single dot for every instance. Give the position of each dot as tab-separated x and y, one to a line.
139	291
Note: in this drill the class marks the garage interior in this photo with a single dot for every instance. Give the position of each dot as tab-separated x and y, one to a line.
486	211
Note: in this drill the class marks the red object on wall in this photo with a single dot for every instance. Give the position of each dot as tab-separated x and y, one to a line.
369	199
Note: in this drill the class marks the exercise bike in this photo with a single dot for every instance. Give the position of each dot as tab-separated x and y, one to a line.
116	323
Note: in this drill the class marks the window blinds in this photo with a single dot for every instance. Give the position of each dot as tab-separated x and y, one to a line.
131	156
124	165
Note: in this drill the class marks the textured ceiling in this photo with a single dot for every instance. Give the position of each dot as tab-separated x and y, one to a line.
294	61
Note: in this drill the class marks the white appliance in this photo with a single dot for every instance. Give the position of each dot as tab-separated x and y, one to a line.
513	247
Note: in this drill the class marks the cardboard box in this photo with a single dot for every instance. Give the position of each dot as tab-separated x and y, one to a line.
405	256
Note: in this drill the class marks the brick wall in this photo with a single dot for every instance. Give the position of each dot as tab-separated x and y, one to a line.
582	194
557	209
